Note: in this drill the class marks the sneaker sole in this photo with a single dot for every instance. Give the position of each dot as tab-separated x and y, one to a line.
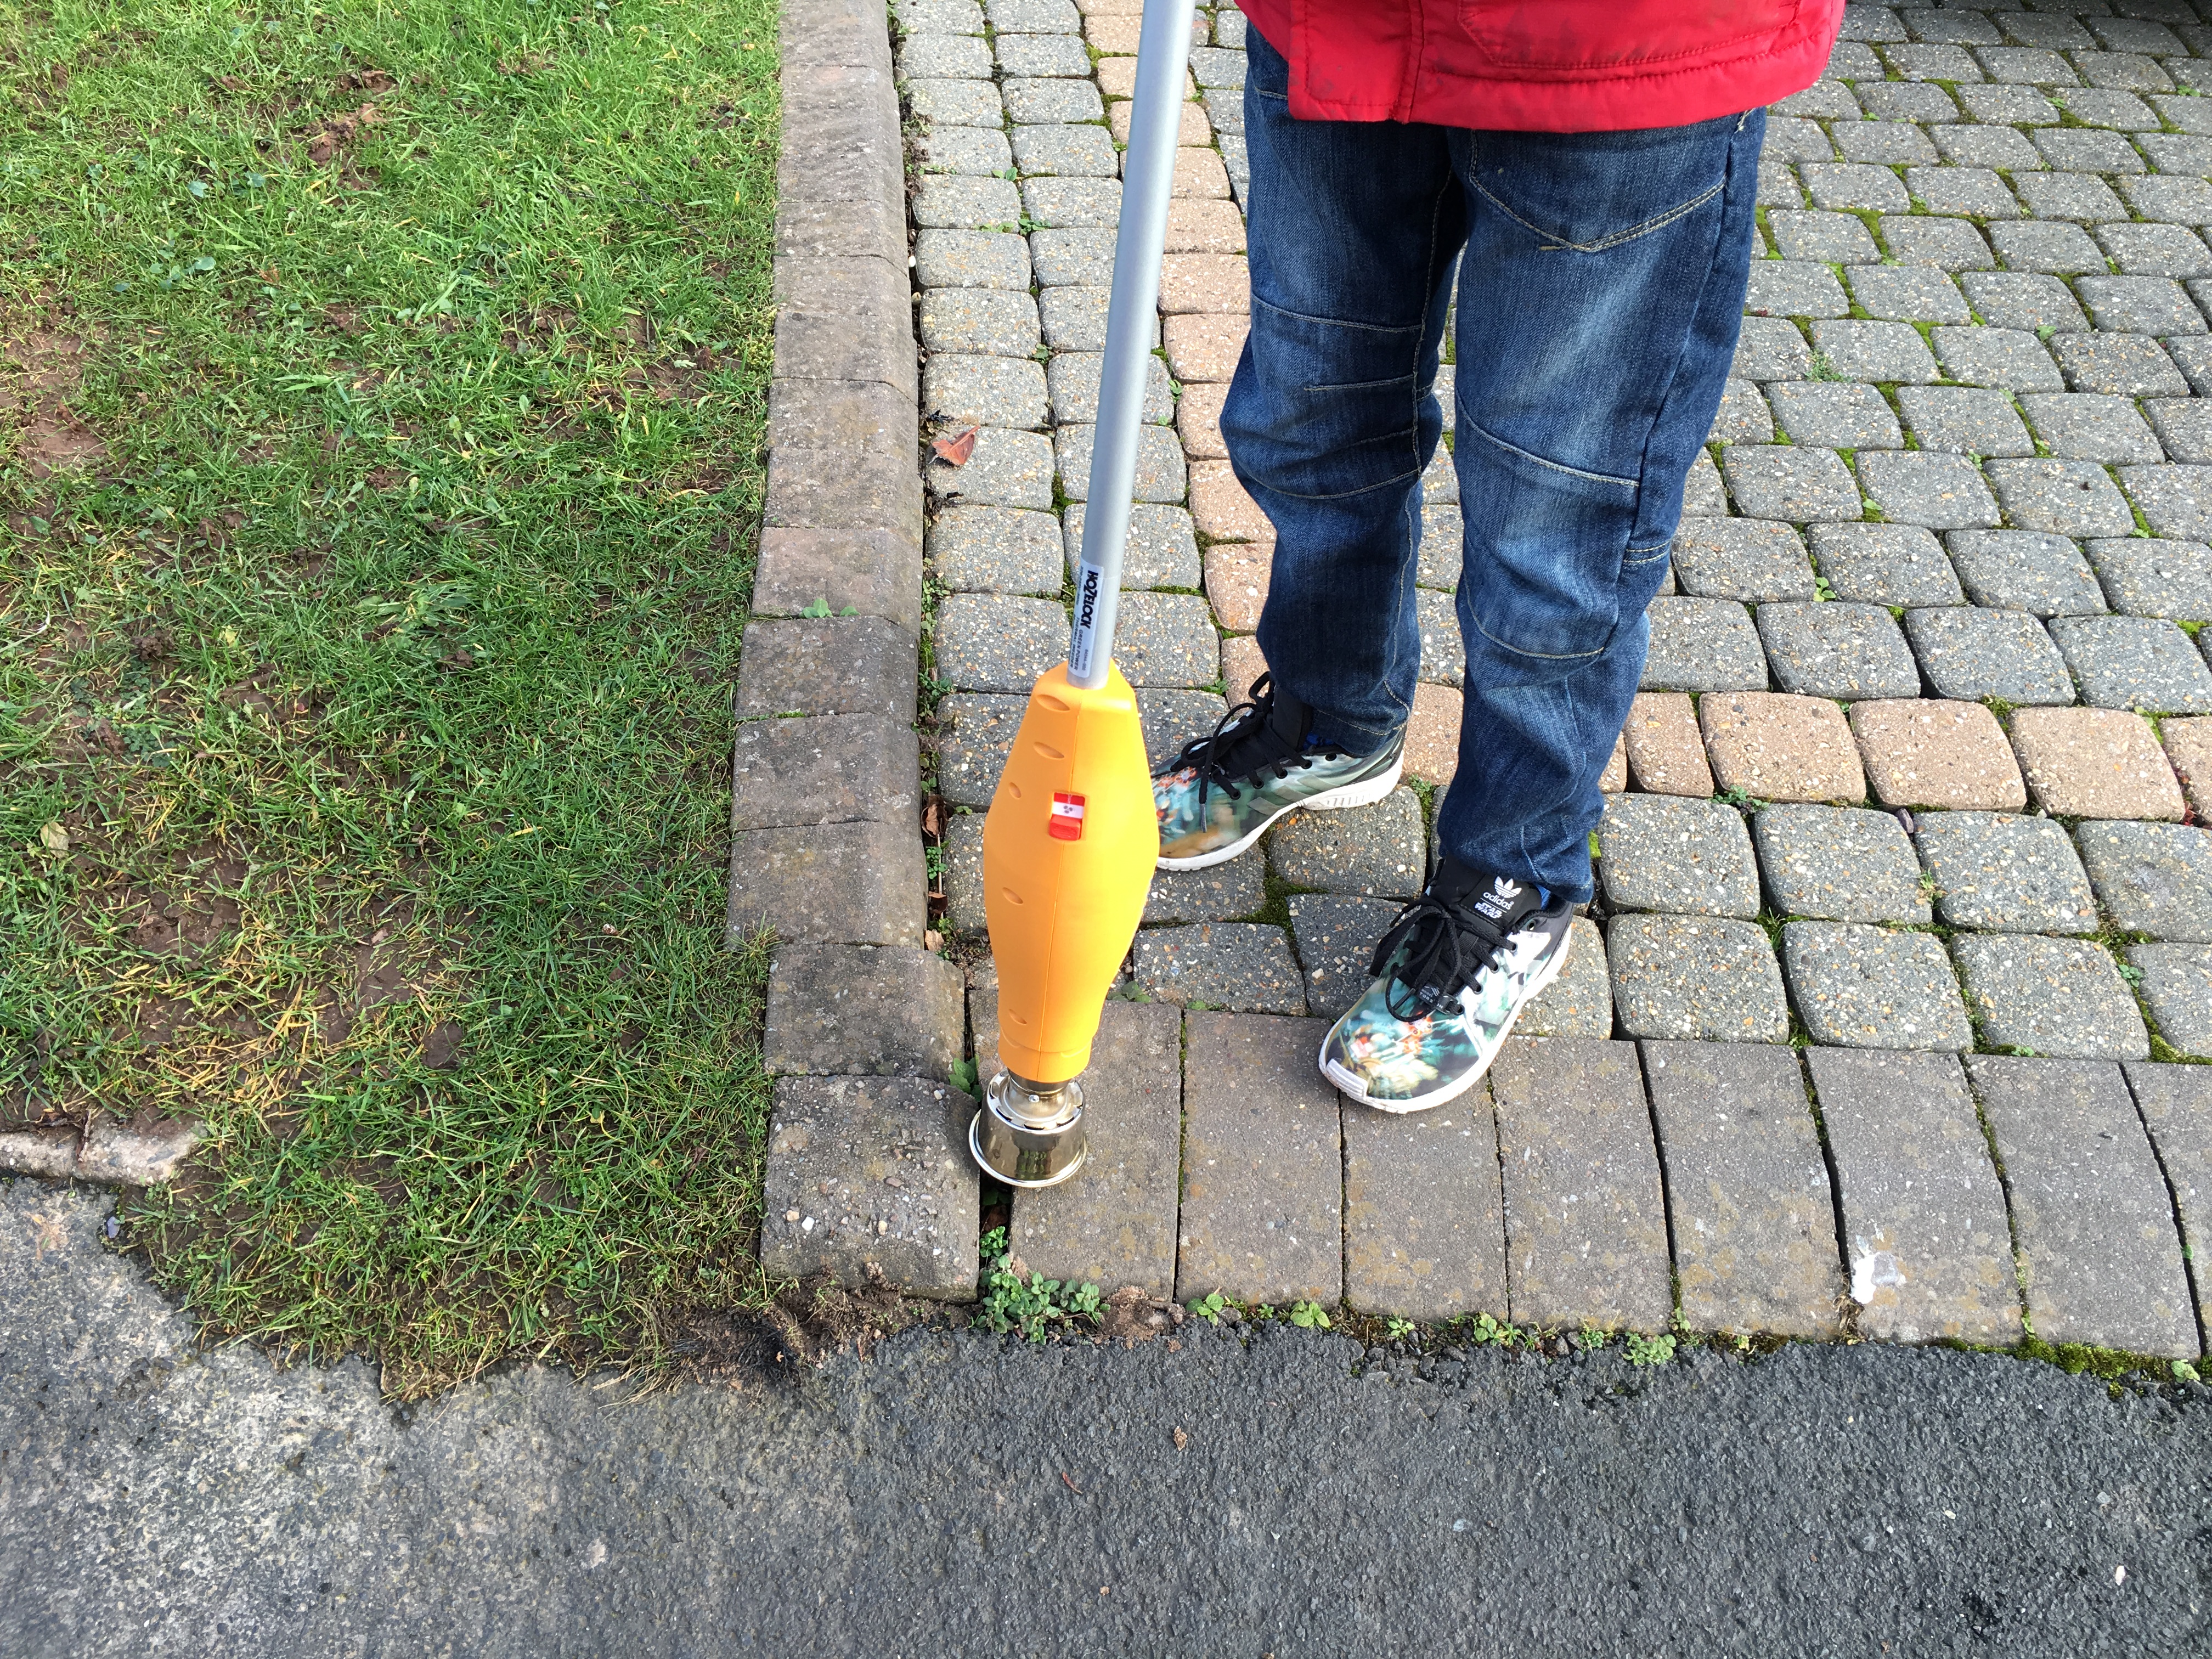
1365	792
1345	1083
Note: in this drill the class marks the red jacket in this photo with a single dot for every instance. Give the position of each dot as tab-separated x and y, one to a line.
1545	66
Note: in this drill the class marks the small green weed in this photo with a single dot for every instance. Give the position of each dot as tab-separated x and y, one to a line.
1211	1306
1397	1330
1489	1332
1590	1339
1650	1350
1309	1316
1015	1299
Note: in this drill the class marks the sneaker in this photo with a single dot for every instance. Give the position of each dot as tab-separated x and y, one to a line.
1454	971
1215	797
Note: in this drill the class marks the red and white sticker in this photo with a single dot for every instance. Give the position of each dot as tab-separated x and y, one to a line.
1065	823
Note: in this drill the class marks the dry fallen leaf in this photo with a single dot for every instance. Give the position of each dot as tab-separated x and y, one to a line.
46	1234
1181	1439
54	838
955	450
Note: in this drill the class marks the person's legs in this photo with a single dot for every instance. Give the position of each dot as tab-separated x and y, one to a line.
1599	300
1352	231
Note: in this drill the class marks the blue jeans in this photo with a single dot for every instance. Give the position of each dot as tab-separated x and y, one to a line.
1600	293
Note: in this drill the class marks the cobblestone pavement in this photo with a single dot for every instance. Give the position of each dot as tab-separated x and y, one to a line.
1915	777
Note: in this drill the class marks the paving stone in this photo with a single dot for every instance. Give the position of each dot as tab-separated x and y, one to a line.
1579	1002
1965	190
856	1009
1971	653
945	57
1907	293
1696	978
1843	416
996	550
2134	662
2044	245
2095	763
1937	491
1081	257
2101	1260
1336	938
974	735
2139	305
1261	1217
878	1172
1373	852
1432	734
858	883
1784	481
2058	999
1924	1223
1423	1216
2173	153
1198	421
1236	576
2154	878
830	768
998	643
1947	244
1246	967
1771	349
2054	197
1688	857
2007	357
1220	892
1067	203
1884	564
1874	351
2086	151
2024	570
976	320
1006	469
2176	982
2001	147
2189	745
2132	365
1882	142
946	202
2071	498
1171	717
2183	426
1854	188
1165	640
1742	559
1774	747
1925	751
977	152
836	665
971	258
1703	645
1035	17
2176	501
1081	151
1056	55
2006	874
1197	225
1585	1208
2173	201
2175	1102
1071	380
955	102
1744	417
1074	318
1840	651
996	392
2091	426
1703	496
1666	751
1824	99
2020	300
961	852
1161	551
2019	106
1795	288
1839	864
1443	649
1115	1224
1858	986
2155	251
1823	238
1906	101
1162	473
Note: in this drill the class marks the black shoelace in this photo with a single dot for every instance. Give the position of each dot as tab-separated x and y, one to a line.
1450	945
1242	746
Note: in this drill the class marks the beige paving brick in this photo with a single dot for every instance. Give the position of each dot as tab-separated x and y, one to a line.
1114	35
1423	1216
1117	78
1198	419
1614	778
1110	7
2189	746
1199	174
1237	583
1665	754
1931	752
1432	734
1777	747
1220	508
1203	348
1195	129
1201	226
2095	763
1214	284
1241	664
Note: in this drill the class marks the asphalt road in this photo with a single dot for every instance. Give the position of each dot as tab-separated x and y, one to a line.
953	1495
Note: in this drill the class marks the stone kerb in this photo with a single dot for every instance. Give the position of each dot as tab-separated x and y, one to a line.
868	1178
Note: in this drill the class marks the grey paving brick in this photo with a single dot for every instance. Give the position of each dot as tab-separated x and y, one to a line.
1080	257
1858	986
979	320
1906	101
1841	416
829	769
1970	652
1579	1002
1336	938
1749	559
2187	113
961	851
1703	645
1786	482
1908	292
1263	1176
1854	188
947	202
996	550
2183	426
1165	640
2178	153
1700	979
2091	426
1744	417
835	666
1925	1224
2068	498
2001	147
1851	61
2176	501
2016	106
1071	383
1883	143
838	1010
1793	139
2176	983
1977	192
1747	1189
1826	238
1424	1210
978	152
956	102
1838	864
1931	489
1229	30
1042	102
1667	853
1840	651
1585	1209
1955	27
2042	575
2143	663
1443	649
1115	1224
1885	564
1963	420
998	643
1371	852
1161	551
1162	473
2155	252
1171	717
2101	1260
1036	17
2173	201
1825	99
2006	874
1212	67
1220	892
998	391
945	57
857	883
1874	351
974	735
971	258
1246	967
2119	69
1006	469
2044	245
2175	1102
1703	494
940	17
2144	576
2139	305
2081	197
1948	244
2086	151
1771	349
870	573
1072	202
1795	288
2059	999
2190	360
877	1170
1054	55
1865	22
2132	365
2023	299
1084	151
2154	878
2006	357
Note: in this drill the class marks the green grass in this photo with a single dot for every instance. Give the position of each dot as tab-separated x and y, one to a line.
366	661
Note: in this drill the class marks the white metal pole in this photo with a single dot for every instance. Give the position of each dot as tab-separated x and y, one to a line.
1147	182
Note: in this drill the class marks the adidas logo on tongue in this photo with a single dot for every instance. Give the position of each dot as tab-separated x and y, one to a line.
1497	903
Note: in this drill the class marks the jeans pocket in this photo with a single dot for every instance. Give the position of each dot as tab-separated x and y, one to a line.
1584	192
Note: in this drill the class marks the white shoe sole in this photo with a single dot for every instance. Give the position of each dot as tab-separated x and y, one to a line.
1348	1085
1365	792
